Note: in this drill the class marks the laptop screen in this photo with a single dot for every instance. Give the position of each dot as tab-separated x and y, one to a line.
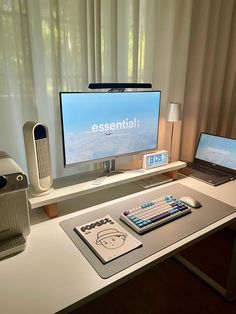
217	150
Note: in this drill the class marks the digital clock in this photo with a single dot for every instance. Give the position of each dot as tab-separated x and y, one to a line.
156	159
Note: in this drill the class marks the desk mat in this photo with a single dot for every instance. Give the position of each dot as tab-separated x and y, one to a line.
155	240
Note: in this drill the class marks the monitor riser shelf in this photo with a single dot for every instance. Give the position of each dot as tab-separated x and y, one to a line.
81	184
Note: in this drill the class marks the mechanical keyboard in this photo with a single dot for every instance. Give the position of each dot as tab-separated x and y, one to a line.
152	214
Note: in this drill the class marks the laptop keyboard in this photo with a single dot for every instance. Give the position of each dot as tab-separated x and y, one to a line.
203	173
206	170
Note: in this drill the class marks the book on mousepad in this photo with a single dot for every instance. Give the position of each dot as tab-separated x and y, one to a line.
107	238
214	161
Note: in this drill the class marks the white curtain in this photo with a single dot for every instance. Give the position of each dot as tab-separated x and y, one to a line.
48	46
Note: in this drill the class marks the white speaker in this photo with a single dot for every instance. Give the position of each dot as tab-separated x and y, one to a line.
38	157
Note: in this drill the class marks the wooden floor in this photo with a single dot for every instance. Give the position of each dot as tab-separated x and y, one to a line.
169	288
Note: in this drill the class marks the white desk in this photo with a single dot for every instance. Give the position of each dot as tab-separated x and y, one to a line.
52	274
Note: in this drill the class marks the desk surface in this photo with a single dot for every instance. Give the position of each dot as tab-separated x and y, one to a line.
52	274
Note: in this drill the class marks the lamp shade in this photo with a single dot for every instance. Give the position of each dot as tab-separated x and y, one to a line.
174	112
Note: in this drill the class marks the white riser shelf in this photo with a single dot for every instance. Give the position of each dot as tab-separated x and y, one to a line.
77	185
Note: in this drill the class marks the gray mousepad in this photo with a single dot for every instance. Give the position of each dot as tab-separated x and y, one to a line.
155	240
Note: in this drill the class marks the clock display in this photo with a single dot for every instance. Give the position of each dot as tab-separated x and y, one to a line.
155	159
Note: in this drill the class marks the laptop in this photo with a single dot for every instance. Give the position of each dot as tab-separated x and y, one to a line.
214	161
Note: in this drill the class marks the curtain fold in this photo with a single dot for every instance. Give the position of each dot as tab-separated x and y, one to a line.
209	102
185	48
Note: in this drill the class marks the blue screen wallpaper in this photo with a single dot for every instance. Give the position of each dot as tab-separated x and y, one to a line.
217	150
101	125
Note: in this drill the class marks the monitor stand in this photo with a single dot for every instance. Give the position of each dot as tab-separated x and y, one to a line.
109	167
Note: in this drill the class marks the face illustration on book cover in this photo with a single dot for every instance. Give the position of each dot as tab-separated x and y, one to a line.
111	238
107	238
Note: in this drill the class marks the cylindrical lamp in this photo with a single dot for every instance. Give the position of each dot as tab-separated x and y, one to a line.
173	114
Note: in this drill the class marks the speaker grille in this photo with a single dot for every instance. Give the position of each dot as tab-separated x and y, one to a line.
13	214
10	243
43	157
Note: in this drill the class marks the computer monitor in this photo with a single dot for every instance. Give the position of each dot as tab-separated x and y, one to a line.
102	126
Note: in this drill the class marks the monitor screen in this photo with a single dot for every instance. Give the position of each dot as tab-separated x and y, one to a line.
217	150
101	126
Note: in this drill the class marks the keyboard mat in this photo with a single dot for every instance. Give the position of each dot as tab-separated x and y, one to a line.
154	240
